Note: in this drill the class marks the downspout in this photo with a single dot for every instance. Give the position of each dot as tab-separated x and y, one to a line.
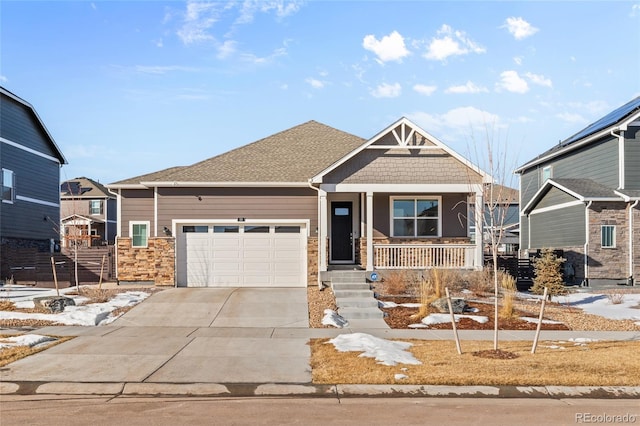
620	137
631	280
118	224
319	259
585	281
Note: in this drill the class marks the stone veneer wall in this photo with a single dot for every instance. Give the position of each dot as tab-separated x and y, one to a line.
609	263
312	261
156	262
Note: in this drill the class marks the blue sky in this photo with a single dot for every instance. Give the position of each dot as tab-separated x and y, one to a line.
131	87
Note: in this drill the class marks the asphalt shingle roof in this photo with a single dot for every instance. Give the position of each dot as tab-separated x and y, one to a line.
586	188
293	155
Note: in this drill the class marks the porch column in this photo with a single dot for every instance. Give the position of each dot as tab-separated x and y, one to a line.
479	260
322	235
369	231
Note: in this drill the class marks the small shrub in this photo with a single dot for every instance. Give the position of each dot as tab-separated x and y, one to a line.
395	283
480	282
615	298
508	285
7	305
426	297
548	274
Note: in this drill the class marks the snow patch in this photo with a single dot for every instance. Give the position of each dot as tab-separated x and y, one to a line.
333	319
386	352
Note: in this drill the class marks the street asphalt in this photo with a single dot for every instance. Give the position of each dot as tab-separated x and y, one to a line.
237	342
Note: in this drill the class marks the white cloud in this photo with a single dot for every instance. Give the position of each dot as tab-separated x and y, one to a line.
259	60
387	91
423	89
281	8
512	82
540	80
519	28
389	48
226	49
3	79
469	87
198	20
635	10
458	123
518	60
571	117
451	43
315	83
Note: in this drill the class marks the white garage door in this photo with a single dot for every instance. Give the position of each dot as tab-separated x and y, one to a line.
242	255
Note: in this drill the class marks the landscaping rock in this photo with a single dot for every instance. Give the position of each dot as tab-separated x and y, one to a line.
54	303
458	305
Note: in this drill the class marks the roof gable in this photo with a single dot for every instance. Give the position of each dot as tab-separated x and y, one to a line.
31	110
83	187
406	135
616	119
582	190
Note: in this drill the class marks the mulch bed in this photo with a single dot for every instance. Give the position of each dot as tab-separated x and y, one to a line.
401	317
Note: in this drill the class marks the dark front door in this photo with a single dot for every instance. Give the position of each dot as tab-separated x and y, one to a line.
342	231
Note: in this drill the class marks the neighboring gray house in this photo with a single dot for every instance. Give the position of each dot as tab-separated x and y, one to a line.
30	164
88	213
284	209
582	197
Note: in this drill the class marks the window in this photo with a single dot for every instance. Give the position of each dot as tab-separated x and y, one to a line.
608	238
226	229
95	207
415	217
8	186
287	230
139	232
200	229
546	173
256	229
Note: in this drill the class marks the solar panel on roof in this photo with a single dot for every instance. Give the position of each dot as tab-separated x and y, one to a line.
606	121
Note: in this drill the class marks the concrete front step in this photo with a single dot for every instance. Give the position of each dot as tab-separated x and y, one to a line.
364	294
356	302
360	313
350	286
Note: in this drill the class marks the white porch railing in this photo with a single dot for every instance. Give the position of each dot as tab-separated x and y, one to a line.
423	256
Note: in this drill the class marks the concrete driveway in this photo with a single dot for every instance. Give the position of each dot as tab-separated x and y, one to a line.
185	335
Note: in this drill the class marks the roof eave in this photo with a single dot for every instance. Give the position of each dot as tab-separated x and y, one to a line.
188	184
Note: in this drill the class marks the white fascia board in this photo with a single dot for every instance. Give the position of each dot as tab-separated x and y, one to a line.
37	201
620	126
538	195
29	150
402	188
626	198
414	128
557	207
126	186
226	184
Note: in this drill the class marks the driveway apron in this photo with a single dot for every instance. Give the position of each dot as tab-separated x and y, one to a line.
186	335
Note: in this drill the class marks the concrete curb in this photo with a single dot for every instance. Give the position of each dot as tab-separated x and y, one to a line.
311	390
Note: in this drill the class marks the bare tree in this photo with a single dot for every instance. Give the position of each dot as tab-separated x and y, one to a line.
491	155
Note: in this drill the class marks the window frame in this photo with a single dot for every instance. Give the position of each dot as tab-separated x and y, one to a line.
547	173
415	199
91	211
612	236
12	199
139	222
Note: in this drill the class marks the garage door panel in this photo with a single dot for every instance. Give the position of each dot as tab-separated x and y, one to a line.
244	256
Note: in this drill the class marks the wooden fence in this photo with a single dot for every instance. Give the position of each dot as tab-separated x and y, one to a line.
30	267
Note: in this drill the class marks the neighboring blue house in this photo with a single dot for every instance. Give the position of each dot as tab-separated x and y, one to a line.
30	164
582	196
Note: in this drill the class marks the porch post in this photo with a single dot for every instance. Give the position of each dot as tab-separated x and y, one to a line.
369	231
322	235
479	260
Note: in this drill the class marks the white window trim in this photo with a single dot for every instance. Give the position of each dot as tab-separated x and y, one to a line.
91	207
13	185
544	171
613	236
416	197
139	222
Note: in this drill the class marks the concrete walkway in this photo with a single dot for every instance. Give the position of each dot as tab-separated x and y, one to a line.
230	341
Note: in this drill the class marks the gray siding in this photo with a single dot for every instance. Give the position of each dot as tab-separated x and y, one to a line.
18	124
36	178
558	228
524	232
403	166
553	197
632	158
232	203
529	185
137	204
454	214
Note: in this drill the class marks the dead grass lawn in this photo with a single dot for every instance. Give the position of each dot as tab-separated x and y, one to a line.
11	354
596	364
